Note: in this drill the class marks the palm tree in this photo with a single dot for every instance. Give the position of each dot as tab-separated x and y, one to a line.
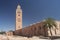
50	23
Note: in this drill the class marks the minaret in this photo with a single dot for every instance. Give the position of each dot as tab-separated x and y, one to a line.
18	18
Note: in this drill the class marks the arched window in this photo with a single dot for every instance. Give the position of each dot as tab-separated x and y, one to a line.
35	28
18	14
31	28
39	27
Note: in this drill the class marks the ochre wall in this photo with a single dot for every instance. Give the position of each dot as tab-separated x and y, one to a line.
32	30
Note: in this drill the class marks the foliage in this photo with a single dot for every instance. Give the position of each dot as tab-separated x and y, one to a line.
50	23
2	32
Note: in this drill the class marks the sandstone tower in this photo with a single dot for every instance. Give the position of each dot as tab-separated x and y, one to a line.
18	18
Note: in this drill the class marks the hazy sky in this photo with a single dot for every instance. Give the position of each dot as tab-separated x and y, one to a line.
33	11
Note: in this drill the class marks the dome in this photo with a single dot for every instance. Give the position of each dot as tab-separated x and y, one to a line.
18	6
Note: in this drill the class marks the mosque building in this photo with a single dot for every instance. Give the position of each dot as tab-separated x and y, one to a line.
35	29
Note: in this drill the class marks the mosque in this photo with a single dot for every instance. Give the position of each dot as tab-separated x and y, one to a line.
31	30
35	29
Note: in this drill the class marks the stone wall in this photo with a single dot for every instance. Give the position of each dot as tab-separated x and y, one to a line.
32	30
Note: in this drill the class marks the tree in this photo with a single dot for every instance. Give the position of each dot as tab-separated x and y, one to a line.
50	23
3	32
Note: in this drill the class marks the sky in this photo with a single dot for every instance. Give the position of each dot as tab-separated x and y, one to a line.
33	11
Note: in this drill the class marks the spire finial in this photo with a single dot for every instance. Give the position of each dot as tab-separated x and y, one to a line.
18	4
